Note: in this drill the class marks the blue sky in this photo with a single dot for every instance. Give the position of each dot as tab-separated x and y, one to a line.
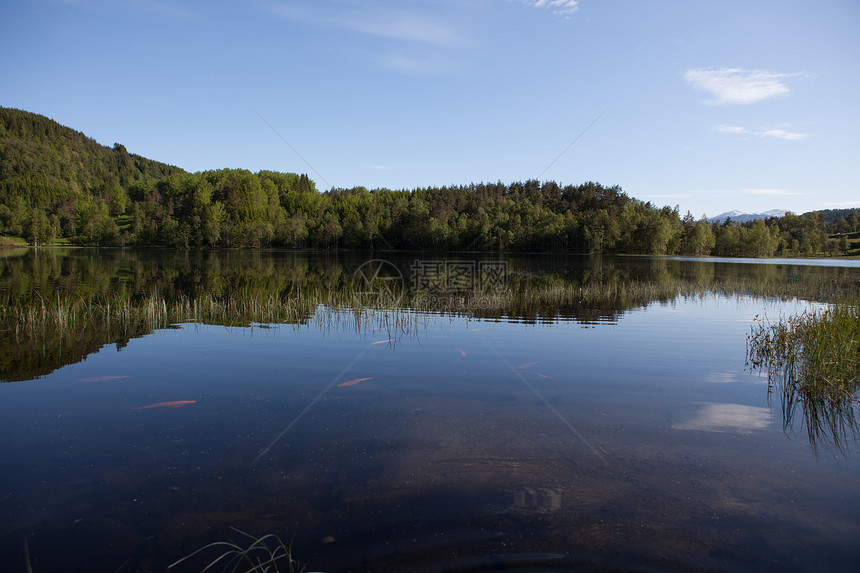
711	106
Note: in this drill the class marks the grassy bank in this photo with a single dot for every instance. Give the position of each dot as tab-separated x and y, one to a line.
12	242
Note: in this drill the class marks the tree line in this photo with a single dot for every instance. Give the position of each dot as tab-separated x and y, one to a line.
56	184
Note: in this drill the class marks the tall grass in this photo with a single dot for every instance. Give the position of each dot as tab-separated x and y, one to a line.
813	363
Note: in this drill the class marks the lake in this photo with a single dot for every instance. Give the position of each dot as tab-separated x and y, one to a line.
412	412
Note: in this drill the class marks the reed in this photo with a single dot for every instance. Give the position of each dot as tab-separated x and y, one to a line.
813	362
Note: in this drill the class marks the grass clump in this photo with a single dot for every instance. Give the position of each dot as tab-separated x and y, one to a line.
813	362
259	554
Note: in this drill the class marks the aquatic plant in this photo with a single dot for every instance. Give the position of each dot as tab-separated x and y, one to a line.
261	554
813	361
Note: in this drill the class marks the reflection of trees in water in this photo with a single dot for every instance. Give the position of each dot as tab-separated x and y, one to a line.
58	306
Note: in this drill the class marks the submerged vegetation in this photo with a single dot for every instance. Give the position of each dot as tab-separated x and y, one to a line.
266	554
813	364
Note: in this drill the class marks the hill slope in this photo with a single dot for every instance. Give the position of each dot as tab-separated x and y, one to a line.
47	169
48	161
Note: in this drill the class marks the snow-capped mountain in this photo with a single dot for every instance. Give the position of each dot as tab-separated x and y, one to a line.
742	217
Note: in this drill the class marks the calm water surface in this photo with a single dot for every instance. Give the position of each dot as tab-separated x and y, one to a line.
605	434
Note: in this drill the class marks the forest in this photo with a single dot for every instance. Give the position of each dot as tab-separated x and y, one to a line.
58	186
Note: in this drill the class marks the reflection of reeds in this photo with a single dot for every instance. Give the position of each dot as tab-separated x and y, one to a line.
69	315
543	296
124	316
548	297
813	361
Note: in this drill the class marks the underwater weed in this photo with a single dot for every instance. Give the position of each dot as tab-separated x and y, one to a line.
267	553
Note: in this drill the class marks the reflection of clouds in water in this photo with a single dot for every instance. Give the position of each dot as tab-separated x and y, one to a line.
721	377
728	418
732	377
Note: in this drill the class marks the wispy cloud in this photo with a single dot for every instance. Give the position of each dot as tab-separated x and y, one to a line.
783	192
768	133
735	129
416	65
754	191
561	7
404	25
157	8
736	86
671	195
408	25
411	40
167	9
840	204
783	134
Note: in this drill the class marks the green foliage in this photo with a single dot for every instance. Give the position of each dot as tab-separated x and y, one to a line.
56	184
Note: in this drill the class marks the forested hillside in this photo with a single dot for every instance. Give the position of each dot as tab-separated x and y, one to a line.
57	182
57	185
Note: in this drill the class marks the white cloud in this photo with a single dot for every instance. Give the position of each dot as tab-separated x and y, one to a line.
671	195
561	7
735	86
772	133
782	134
157	8
728	418
783	192
404	25
425	65
841	204
433	39
396	24
736	129
752	191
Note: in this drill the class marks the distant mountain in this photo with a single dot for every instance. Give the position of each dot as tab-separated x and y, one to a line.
742	217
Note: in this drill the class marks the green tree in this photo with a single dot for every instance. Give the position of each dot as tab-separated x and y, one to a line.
41	232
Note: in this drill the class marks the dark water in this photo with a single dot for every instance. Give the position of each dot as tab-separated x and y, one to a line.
619	433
